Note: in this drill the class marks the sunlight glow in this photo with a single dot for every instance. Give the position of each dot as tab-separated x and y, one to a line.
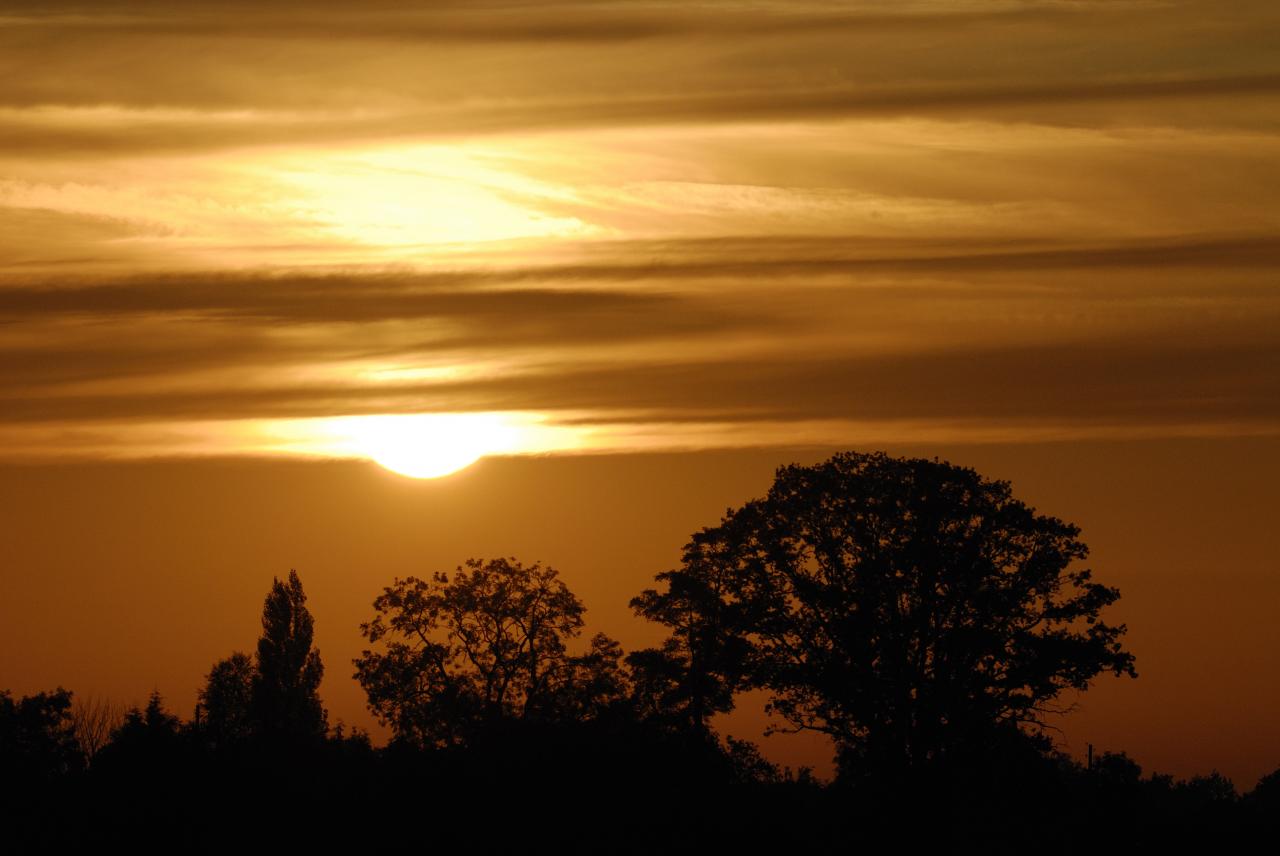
431	445
421	195
419	445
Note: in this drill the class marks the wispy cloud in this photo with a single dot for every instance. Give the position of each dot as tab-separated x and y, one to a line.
723	223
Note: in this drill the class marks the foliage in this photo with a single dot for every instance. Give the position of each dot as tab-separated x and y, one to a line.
593	685
147	738
748	766
285	699
693	674
37	737
226	700
485	646
1265	796
908	608
1212	789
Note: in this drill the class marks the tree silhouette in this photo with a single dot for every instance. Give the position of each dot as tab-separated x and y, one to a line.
1266	794
37	738
93	721
226	700
147	739
692	676
155	718
285	700
594	684
487	646
908	608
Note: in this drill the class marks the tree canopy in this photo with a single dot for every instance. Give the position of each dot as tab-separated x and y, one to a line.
693	675
227	700
37	737
487	645
908	608
285	698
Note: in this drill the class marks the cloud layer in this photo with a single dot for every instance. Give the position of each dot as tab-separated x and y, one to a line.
721	224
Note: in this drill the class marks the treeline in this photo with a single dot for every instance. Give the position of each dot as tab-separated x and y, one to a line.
913	611
160	785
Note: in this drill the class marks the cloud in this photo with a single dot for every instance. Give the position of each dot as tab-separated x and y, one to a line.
1145	385
557	290
1001	336
590	21
341	299
189	77
1008	215
159	329
35	133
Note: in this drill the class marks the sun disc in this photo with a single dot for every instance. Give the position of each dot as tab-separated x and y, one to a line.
431	446
418	465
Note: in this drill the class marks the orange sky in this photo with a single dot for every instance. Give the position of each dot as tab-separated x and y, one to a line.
241	248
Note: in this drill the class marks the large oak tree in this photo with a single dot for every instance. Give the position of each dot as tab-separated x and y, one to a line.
908	608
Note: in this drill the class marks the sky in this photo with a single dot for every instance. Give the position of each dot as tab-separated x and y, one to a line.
632	256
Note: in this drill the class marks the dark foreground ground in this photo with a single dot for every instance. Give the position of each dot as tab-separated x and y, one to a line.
596	791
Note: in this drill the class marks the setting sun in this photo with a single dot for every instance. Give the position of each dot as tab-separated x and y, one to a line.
432	445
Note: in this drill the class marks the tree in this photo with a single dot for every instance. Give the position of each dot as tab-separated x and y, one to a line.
908	608
693	675
484	647
37	738
226	700
1266	794
594	684
93	721
284	694
146	740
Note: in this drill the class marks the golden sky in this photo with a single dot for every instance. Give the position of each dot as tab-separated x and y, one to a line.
632	225
336	230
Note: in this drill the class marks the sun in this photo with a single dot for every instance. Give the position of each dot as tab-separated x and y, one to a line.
416	445
431	445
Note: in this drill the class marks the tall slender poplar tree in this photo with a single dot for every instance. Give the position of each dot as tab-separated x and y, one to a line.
285	695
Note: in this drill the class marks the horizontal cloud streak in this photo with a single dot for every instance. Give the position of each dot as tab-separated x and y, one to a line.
997	337
577	21
1132	385
645	220
360	299
421	294
187	77
30	133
